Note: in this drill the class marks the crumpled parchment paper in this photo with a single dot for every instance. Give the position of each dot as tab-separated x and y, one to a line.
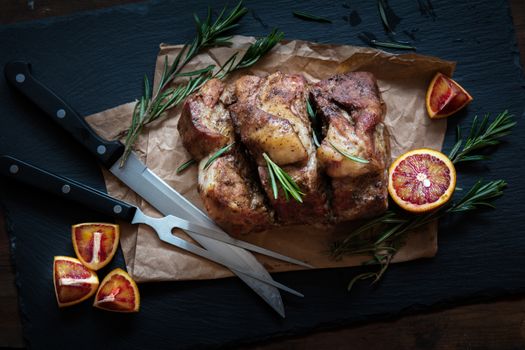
402	79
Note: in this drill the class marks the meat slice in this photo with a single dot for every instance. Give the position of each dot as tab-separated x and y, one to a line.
227	187
205	125
270	117
231	195
352	112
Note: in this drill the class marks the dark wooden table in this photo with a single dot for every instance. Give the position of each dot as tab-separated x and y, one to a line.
496	325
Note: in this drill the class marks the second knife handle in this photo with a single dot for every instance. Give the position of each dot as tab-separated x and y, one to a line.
64	187
18	74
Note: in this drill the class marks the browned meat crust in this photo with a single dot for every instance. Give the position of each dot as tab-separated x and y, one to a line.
228	189
270	116
205	125
232	196
352	112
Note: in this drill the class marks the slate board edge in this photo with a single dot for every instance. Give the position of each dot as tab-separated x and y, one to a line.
480	296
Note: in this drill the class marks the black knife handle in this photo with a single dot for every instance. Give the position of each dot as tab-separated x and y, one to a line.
64	187
18	74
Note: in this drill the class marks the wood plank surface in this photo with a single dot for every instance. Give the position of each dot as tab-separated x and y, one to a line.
496	325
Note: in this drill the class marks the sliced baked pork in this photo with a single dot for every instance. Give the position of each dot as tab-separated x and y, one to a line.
352	113
270	117
228	186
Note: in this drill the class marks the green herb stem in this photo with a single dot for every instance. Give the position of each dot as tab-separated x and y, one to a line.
381	237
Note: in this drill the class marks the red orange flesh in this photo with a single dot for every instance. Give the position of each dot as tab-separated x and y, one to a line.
445	97
118	292
421	180
95	244
73	281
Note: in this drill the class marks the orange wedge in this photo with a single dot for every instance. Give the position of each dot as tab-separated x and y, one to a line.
73	281
118	292
95	244
445	97
421	180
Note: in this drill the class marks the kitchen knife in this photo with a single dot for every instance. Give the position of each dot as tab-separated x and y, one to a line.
75	191
139	178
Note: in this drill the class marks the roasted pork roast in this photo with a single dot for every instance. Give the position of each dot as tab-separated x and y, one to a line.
228	186
352	113
268	115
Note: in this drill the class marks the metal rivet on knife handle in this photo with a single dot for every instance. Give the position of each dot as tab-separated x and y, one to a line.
101	149
61	113
20	78
13	169
66	189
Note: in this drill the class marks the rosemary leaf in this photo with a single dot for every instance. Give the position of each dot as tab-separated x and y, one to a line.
185	165
348	155
316	141
381	6
289	186
310	110
309	17
391	45
218	154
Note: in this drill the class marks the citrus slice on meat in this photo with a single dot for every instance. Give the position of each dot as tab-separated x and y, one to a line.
73	281
445	97
95	244
421	180
118	292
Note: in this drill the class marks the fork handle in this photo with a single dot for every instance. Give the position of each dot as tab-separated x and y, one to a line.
55	184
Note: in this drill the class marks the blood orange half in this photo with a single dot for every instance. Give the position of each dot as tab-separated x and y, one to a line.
73	281
421	180
95	244
118	292
445	97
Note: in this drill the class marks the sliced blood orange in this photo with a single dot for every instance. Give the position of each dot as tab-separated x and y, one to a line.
445	97
421	180
118	292
73	281
95	243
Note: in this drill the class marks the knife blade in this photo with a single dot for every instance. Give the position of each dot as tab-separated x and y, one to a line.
139	178
72	190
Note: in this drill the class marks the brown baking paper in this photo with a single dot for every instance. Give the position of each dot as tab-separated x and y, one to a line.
402	79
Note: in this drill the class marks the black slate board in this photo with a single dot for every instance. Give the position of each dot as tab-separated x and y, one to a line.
96	61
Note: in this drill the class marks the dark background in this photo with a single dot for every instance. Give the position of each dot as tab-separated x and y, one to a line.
96	60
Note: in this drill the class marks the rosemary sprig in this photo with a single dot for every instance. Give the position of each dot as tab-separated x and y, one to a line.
150	107
185	165
276	173
310	17
217	154
387	233
256	50
348	155
481	136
